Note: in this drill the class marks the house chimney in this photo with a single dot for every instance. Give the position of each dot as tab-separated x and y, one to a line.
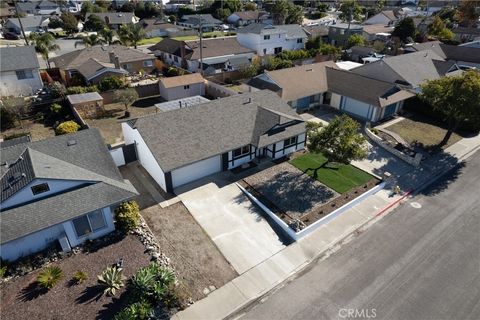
111	56
116	62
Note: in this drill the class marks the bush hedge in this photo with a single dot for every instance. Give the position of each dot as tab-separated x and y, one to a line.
67	127
127	216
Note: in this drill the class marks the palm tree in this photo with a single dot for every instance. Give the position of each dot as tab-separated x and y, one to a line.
90	41
131	34
107	36
44	43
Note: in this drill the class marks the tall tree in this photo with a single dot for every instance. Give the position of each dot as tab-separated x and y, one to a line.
126	96
469	12
95	23
405	29
44	43
356	40
70	23
350	10
88	6
130	34
107	35
285	12
340	141
455	98
90	40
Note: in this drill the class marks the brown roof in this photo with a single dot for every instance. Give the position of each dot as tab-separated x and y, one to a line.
364	89
216	47
377	28
249	15
301	81
184	80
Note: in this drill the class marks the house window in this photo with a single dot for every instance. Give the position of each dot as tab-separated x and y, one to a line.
299	40
290	142
127	66
264	51
278	50
342	31
175	59
186	87
147	63
266	37
24	74
89	223
40	188
240	152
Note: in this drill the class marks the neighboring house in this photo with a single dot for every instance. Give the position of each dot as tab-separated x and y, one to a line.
219	54
302	87
184	145
189	85
377	32
356	53
385	18
243	18
363	97
27	7
269	39
47	7
207	21
87	105
158	28
30	24
94	63
464	56
339	33
19	71
317	31
464	34
6	12
471	44
58	190
115	19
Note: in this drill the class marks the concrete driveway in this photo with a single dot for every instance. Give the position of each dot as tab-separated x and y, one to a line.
240	232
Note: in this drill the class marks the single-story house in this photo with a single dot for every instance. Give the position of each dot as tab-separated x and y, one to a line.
184	145
58	190
385	18
30	24
219	54
114	19
46	7
302	87
377	32
193	21
19	71
363	97
317	31
464	34
339	33
243	18
356	53
159	28
87	105
189	85
92	64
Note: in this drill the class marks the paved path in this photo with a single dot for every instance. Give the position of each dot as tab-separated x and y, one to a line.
421	262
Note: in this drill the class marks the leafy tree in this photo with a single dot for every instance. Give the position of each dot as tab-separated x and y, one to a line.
356	40
222	14
105	4
250	6
285	12
111	83
438	29
130	34
295	15
326	48
340	140
126	96
44	43
107	35
322	7
350	10
89	41
252	69
95	23
455	98
55	23
89	7
446	34
67	127
70	23
127	7
172	18
468	12
405	29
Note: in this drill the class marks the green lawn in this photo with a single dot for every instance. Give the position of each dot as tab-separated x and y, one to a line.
153	40
341	180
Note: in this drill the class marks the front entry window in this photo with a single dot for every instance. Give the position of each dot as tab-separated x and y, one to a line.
290	142
88	223
240	152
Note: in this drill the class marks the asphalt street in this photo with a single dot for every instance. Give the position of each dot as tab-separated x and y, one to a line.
421	261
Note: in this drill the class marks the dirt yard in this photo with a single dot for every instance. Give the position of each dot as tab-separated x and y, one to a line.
196	259
21	301
37	130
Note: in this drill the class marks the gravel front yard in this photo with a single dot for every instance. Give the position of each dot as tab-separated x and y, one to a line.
67	301
290	189
197	261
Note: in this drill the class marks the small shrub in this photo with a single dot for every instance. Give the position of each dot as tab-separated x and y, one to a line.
8	118
137	310
67	127
111	279
56	108
81	89
127	216
153	283
3	271
57	90
49	277
16	135
79	277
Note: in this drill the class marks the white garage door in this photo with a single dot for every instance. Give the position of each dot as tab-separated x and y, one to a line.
356	108
196	171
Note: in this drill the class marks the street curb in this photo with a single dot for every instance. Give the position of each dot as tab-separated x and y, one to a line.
390	205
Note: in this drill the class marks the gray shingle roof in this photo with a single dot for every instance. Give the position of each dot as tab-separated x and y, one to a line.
29	22
113	17
80	156
195	19
18	58
292	30
180	137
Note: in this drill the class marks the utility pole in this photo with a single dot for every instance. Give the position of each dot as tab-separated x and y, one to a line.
20	22
201	45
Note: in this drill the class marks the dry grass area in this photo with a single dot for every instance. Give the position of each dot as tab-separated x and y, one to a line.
22	300
197	261
110	126
423	131
37	130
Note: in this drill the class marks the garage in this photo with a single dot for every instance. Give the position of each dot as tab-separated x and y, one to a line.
355	107
196	171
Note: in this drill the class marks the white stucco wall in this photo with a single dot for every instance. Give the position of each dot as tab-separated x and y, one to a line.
335	100
196	89
145	156
239	161
26	194
117	156
11	86
279	152
256	42
196	170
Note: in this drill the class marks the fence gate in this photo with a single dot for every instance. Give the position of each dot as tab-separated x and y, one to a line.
129	153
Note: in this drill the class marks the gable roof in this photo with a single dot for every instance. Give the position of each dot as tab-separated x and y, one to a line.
292	30
92	67
157	24
187	79
301	81
81	156
374	92
28	22
47	4
75	59
18	58
250	15
449	52
113	17
184	136
377	28
195	19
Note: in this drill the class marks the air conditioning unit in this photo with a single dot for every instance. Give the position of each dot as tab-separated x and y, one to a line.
65	244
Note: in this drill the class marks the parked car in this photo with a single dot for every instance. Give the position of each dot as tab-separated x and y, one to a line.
11	36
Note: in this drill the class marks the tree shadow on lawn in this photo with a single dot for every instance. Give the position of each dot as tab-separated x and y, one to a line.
31	292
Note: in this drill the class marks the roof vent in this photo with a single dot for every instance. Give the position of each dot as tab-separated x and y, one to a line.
309	70
249	100
71	142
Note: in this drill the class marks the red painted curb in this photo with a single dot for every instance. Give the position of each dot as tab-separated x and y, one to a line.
381	211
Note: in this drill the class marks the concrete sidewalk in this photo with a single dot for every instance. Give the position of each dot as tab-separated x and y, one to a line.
265	276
